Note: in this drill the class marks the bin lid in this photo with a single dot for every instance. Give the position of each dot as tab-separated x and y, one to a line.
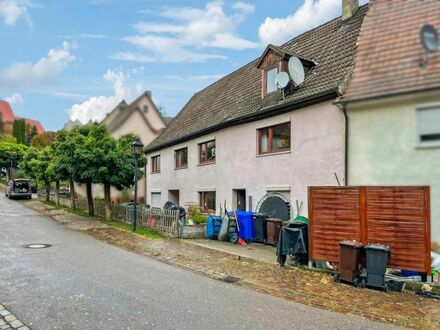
377	246
353	243
275	220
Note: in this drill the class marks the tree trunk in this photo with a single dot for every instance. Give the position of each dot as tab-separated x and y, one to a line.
90	199
72	194
57	192
107	200
47	191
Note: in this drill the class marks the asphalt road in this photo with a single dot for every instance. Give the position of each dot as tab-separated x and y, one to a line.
82	283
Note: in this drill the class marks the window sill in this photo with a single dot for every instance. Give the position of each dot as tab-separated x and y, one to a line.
155	172
206	163
275	153
432	145
181	167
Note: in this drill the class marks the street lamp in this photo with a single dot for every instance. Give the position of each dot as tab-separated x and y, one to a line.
137	148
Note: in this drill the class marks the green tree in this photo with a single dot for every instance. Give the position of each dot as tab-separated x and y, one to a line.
31	131
43	140
11	154
7	138
19	130
37	164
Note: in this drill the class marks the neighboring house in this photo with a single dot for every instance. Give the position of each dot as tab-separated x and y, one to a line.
393	102
7	118
142	118
238	139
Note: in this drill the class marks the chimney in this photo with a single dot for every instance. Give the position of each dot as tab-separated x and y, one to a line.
349	7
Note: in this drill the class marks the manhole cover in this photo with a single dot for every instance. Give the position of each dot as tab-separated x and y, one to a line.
37	246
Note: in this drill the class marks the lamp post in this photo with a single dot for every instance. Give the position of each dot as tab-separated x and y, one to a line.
137	149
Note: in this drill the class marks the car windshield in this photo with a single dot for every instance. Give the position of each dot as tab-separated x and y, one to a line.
21	186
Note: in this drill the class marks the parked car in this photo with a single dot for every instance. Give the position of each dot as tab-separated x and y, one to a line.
18	188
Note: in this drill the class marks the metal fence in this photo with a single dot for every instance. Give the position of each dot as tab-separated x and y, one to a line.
164	221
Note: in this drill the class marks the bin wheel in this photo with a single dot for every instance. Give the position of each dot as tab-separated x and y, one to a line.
336	278
385	288
362	284
356	282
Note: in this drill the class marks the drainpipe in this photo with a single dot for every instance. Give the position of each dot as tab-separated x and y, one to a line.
344	111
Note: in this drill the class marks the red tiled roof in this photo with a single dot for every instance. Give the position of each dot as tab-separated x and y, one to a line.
7	115
6	111
36	123
389	50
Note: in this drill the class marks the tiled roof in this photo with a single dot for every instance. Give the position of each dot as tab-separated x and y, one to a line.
332	46
389	50
36	123
8	116
6	111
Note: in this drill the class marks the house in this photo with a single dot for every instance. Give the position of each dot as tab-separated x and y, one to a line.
142	118
7	118
393	102
240	138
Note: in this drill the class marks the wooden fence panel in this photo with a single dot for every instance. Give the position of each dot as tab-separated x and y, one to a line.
335	214
395	216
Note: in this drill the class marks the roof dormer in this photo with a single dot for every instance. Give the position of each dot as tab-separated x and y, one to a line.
274	60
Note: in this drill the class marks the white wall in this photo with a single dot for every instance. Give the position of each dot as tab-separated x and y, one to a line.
317	151
383	149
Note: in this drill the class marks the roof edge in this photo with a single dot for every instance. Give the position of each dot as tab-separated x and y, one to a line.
262	114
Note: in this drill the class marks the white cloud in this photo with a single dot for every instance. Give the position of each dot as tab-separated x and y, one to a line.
45	71
14	10
309	15
246	7
96	107
15	98
189	28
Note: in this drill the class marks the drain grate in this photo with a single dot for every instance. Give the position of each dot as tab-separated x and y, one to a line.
38	246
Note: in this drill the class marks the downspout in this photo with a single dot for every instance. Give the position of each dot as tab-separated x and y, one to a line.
344	111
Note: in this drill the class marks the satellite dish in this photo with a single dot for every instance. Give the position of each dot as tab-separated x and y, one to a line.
296	70
282	79
429	38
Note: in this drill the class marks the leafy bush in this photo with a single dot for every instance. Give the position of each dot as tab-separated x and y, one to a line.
195	214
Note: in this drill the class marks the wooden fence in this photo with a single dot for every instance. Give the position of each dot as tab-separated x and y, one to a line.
395	216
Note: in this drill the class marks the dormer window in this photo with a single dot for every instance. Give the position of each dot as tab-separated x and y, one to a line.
270	79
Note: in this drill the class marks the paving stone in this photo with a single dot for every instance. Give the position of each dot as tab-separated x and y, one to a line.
2	322
16	324
1	307
4	312
4	327
10	318
23	328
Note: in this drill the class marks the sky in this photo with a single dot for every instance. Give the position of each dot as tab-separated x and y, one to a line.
76	59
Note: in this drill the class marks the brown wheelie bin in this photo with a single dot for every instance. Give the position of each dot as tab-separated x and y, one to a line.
350	262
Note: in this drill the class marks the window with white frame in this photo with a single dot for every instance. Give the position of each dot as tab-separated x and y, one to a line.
428	124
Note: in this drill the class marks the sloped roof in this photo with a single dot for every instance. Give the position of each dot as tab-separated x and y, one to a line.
36	123
389	51
6	111
7	115
332	46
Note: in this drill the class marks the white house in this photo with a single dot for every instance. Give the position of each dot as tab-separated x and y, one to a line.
393	102
240	138
142	118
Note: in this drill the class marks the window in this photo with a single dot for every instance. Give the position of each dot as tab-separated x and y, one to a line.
181	157
156	199
207	152
155	164
207	200
270	80
274	139
428	124
145	108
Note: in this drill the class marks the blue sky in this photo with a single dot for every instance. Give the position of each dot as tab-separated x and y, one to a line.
77	59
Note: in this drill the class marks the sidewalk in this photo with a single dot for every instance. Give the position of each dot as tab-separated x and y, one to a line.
255	268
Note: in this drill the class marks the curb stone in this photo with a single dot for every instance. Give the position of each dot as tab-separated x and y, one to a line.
9	321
